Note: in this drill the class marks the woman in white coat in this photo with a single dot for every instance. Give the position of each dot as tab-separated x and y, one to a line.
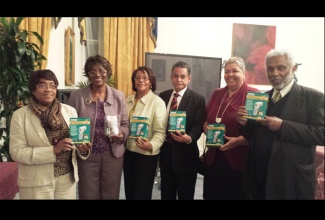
40	142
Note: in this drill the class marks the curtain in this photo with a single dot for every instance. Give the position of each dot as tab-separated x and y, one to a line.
126	39
92	32
41	25
89	31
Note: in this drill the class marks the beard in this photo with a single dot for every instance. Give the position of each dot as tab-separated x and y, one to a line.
284	82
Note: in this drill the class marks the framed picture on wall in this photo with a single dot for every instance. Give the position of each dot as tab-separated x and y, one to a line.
205	71
69	57
159	69
252	42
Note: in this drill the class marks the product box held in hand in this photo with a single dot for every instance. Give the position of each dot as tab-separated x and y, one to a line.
80	130
139	127
177	121
256	105
215	133
112	125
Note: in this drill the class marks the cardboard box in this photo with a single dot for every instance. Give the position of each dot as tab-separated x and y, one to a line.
177	121
139	127
215	133
80	130
256	105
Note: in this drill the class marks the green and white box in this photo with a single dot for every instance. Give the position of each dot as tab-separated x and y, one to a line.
177	121
80	130
139	127
215	133
256	105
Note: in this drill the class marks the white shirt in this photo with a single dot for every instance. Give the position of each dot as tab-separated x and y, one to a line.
179	98
285	90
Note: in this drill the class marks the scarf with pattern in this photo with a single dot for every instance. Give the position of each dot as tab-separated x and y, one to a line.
56	129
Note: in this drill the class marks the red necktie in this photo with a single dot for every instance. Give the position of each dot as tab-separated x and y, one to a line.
173	106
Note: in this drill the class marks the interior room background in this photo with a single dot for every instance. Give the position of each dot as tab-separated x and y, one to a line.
206	37
212	37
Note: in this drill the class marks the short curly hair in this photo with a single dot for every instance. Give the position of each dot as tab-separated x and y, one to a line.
97	60
238	60
35	77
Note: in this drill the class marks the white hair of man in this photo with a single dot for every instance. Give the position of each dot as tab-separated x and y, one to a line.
282	52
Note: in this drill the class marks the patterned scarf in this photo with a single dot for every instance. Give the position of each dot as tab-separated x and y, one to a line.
49	117
56	129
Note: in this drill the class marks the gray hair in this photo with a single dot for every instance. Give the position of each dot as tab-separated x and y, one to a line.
280	52
238	60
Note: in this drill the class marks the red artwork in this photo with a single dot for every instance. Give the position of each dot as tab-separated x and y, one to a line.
252	42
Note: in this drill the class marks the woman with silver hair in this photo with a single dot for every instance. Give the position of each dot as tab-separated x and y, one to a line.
224	166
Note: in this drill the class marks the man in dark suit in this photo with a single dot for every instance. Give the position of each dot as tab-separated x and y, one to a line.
179	156
282	159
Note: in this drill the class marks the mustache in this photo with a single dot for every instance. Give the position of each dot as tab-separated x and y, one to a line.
283	81
275	78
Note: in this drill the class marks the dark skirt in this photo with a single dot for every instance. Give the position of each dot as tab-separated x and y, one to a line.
221	181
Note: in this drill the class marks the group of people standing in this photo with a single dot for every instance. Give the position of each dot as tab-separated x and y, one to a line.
270	158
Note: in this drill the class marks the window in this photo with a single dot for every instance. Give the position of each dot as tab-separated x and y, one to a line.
92	36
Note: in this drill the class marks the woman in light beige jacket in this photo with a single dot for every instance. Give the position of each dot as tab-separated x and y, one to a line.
40	142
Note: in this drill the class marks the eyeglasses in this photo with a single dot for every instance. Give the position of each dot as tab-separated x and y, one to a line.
93	73
43	86
139	78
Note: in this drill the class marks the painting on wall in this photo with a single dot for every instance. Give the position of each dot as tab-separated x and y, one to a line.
252	42
69	57
158	67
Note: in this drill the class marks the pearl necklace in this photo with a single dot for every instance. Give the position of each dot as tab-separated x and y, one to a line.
218	120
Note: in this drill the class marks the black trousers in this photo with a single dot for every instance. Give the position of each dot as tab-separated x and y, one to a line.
175	185
139	175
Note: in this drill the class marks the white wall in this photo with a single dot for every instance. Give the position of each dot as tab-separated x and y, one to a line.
56	51
212	37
